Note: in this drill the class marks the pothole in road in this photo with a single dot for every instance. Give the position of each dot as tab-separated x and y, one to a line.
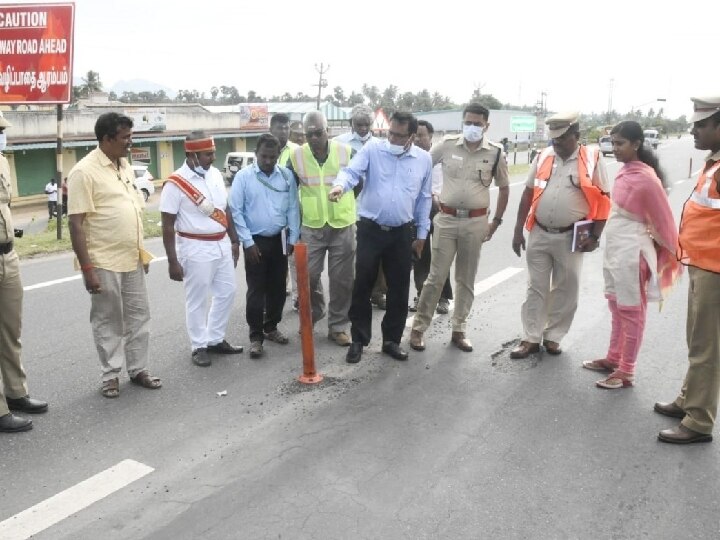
334	383
504	364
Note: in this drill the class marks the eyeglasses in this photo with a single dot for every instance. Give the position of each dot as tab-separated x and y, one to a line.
315	133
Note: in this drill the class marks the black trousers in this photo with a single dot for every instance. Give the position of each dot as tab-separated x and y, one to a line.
265	297
393	250
421	266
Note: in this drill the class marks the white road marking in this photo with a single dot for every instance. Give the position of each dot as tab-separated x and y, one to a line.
44	284
66	503
482	286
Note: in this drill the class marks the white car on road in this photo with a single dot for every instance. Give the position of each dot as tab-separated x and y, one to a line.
143	181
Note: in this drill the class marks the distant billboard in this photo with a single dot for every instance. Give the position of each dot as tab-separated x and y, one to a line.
146	119
36	52
254	118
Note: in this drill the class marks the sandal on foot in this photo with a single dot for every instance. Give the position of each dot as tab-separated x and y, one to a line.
617	379
111	388
146	380
600	365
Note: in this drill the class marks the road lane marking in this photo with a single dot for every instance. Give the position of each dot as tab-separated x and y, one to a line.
74	499
481	286
44	284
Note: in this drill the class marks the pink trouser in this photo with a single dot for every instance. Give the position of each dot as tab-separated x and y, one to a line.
628	325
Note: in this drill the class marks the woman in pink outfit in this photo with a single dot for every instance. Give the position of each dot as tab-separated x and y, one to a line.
639	260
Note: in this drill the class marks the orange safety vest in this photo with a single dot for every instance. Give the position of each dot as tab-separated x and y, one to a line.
598	200
698	244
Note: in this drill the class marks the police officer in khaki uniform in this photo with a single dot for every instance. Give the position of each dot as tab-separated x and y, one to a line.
469	163
553	269
13	387
697	403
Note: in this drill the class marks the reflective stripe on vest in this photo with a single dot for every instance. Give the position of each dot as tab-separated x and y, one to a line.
315	184
598	202
700	223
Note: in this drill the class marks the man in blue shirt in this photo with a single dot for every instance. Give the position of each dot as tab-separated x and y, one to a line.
397	189
264	205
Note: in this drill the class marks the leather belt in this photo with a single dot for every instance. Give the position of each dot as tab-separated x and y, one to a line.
554	230
385	227
462	212
6	248
207	237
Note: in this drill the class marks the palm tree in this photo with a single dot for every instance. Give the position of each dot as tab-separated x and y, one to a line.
91	83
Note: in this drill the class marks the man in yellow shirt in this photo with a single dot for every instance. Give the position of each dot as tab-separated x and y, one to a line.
106	231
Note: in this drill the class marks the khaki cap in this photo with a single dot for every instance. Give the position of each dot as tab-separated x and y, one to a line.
704	107
560	123
296	127
3	122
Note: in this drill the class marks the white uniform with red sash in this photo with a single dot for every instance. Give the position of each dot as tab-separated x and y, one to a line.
203	250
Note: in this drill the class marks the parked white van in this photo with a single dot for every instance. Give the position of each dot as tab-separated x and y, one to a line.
234	161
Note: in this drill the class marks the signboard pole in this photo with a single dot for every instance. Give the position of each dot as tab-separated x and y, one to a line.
59	169
515	151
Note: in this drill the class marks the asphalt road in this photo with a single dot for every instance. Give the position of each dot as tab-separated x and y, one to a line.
447	445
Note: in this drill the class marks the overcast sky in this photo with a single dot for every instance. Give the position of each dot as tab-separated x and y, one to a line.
513	50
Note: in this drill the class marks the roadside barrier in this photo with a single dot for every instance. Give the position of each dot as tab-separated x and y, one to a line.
309	375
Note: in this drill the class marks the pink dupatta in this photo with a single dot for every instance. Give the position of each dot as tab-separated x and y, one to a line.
638	190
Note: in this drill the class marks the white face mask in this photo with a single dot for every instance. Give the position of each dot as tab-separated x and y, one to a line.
3	141
394	149
363	139
199	169
473	133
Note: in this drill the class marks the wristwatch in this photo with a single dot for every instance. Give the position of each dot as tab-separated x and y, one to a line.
497	220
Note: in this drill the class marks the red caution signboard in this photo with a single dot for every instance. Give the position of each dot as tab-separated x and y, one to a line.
36	52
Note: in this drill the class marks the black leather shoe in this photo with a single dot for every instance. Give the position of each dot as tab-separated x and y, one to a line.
27	405
394	350
224	348
200	357
683	435
354	353
12	424
669	409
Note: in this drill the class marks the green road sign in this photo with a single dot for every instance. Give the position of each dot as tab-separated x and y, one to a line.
520	124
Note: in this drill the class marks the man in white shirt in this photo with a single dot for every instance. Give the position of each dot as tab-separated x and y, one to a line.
51	191
202	246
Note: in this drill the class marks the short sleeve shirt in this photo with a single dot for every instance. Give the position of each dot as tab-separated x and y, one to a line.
468	175
113	210
562	202
6	226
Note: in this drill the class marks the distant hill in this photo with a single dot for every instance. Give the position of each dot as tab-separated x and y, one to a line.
139	85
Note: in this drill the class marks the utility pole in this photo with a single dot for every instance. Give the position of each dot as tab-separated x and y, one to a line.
322	82
610	97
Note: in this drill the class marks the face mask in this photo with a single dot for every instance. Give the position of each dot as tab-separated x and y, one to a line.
363	139
473	133
202	171
394	149
3	141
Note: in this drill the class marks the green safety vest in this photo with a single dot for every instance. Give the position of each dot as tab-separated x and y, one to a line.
286	152
315	184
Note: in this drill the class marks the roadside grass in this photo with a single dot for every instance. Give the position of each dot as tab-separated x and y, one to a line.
46	242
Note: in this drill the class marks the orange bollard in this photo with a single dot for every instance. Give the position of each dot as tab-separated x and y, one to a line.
309	376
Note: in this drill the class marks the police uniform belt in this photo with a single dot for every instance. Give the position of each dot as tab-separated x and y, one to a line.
214	237
462	212
554	230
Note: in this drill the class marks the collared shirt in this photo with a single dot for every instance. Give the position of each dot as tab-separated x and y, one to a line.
258	209
563	202
397	188
51	191
468	174
189	218
355	143
113	210
6	226
437	179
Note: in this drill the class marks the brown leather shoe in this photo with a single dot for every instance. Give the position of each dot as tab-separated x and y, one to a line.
461	342
683	435
669	409
552	347
524	350
416	340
